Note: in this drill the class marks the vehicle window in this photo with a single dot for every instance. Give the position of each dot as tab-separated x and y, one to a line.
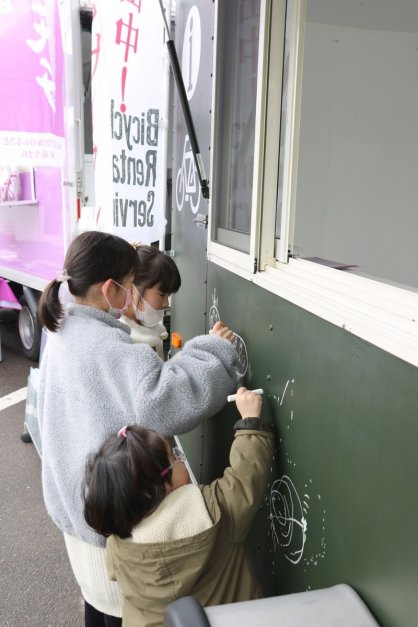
238	40
357	183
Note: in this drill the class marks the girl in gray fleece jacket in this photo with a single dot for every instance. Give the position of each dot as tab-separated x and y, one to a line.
94	379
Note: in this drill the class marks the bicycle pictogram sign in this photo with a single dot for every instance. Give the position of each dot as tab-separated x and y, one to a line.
187	181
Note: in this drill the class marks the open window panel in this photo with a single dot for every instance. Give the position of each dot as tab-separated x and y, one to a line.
347	184
340	166
240	74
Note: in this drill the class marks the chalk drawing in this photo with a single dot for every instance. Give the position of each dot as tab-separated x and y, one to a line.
213	311
314	558
284	392
238	341
242	355
289	523
279	398
287	519
288	512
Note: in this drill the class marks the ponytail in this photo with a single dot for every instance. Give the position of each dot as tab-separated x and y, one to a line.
50	311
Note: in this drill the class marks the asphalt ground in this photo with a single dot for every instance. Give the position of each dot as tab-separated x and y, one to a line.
37	587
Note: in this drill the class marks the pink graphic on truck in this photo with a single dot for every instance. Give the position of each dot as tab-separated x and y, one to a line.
31	68
33	221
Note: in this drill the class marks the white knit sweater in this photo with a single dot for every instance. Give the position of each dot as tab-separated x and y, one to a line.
89	567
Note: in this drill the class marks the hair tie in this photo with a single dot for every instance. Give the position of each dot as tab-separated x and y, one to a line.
122	433
63	276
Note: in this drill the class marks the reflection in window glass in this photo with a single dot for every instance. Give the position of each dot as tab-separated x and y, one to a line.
238	38
357	188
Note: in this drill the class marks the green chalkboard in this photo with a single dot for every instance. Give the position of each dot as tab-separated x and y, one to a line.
342	503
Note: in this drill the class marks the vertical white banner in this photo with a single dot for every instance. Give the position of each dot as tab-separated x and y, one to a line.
127	104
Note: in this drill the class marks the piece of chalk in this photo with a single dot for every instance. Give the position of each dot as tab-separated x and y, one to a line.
233	397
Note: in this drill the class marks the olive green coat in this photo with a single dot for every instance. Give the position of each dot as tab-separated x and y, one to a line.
213	566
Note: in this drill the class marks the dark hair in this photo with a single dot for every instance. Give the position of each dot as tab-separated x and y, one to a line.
92	257
122	483
156	268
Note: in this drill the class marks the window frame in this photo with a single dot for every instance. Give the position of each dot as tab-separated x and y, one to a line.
384	315
243	262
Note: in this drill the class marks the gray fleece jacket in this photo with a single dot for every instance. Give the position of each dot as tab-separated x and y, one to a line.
94	379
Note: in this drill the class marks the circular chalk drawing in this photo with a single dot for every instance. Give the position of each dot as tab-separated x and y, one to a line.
287	520
242	355
214	316
238	342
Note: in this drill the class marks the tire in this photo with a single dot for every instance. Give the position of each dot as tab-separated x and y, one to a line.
29	331
25	437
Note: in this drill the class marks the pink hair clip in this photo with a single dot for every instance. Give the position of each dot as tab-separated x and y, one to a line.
122	433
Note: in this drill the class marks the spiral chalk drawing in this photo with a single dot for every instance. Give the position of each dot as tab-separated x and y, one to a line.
288	523
289	512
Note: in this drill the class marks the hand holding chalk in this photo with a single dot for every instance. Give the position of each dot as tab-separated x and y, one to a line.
249	402
221	330
233	397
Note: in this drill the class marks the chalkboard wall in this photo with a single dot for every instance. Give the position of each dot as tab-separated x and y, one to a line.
342	503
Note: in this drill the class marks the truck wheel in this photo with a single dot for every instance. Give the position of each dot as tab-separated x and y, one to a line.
29	331
25	437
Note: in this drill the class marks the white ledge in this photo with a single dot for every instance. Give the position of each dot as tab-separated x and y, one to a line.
381	314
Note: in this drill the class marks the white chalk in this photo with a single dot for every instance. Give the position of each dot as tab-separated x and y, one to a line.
233	397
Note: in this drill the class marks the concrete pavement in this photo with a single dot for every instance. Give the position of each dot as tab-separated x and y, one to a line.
37	588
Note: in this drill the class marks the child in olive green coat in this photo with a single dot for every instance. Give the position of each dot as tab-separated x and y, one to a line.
167	537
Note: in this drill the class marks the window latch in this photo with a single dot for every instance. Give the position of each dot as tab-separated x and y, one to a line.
201	221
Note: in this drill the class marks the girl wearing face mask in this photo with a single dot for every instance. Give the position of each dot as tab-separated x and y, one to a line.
94	379
156	279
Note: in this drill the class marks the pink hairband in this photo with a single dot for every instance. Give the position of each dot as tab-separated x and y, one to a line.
62	275
122	433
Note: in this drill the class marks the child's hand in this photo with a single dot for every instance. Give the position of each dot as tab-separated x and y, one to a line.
221	330
248	403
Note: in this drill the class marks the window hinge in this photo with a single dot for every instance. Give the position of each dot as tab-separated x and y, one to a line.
255	264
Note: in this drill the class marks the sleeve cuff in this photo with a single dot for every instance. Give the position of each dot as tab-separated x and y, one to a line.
254	424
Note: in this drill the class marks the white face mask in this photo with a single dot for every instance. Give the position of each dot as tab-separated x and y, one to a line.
150	316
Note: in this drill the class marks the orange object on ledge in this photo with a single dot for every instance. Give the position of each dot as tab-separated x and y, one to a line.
176	340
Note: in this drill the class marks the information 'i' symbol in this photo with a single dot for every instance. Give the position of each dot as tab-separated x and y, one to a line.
192	44
124	72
